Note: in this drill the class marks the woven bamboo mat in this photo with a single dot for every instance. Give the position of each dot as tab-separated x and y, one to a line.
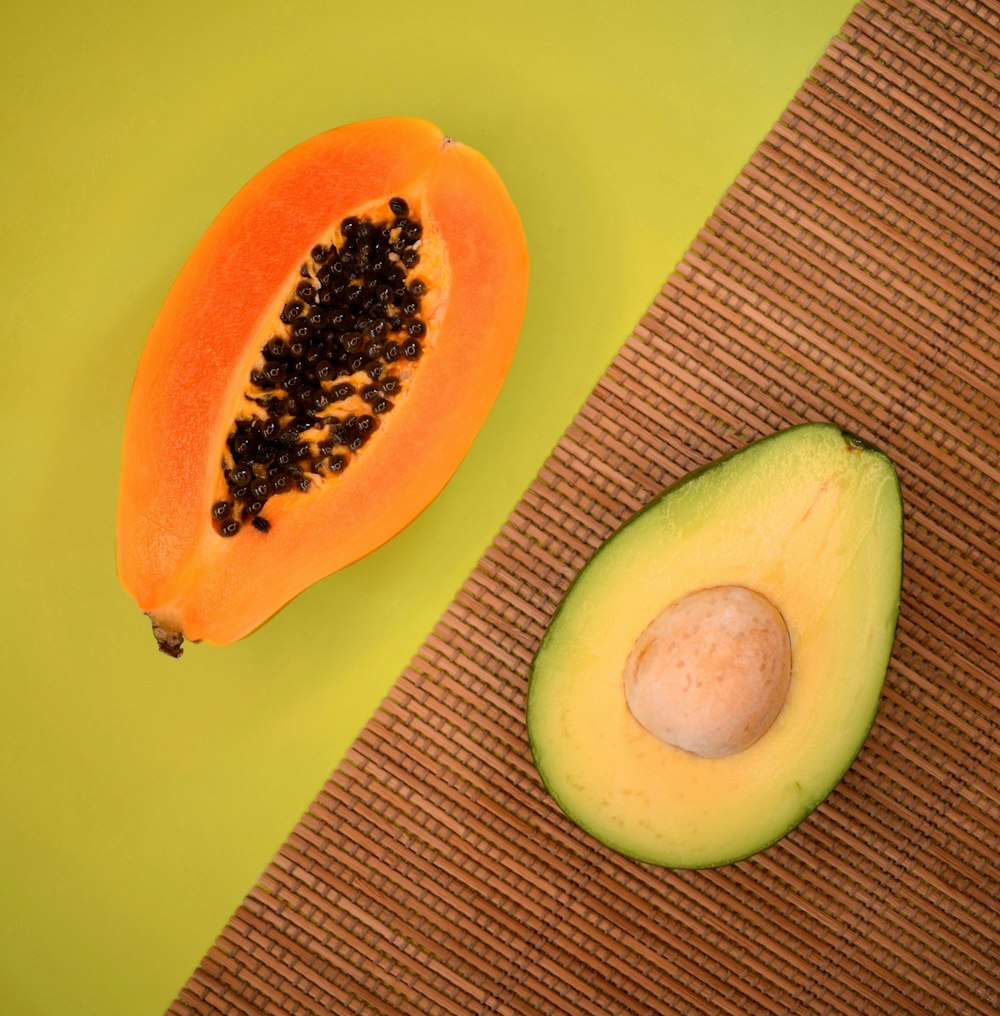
850	274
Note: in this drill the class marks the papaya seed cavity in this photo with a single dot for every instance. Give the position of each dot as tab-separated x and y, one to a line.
331	370
711	673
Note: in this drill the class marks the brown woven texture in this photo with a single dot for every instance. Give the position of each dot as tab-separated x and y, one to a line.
849	274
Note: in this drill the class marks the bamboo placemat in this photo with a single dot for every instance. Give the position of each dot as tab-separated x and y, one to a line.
849	274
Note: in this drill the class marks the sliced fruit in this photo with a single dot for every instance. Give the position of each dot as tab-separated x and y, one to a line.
717	665
319	369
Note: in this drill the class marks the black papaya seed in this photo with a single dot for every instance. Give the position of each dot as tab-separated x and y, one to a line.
291	311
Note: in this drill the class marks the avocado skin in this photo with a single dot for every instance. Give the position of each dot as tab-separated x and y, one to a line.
853	444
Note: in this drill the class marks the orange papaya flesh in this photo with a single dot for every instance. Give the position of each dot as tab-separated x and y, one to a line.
318	370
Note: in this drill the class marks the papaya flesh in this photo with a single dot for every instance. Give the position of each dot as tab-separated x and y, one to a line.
316	374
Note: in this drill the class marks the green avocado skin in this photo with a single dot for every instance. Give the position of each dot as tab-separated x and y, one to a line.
809	800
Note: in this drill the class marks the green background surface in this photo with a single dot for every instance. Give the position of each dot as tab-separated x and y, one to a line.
142	796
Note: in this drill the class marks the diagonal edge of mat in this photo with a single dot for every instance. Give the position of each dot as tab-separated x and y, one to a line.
850	274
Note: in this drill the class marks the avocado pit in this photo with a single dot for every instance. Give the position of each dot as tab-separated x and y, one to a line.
710	674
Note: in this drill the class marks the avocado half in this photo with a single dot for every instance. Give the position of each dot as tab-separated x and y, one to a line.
811	519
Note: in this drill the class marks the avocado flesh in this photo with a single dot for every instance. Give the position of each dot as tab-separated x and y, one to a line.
812	519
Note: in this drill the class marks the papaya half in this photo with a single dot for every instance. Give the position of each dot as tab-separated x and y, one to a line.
316	374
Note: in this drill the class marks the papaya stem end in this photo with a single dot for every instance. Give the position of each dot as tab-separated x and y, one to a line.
168	640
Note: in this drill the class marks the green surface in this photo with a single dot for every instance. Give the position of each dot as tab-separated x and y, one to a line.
142	795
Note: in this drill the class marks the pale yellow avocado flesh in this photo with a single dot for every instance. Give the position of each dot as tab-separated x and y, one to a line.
810	518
